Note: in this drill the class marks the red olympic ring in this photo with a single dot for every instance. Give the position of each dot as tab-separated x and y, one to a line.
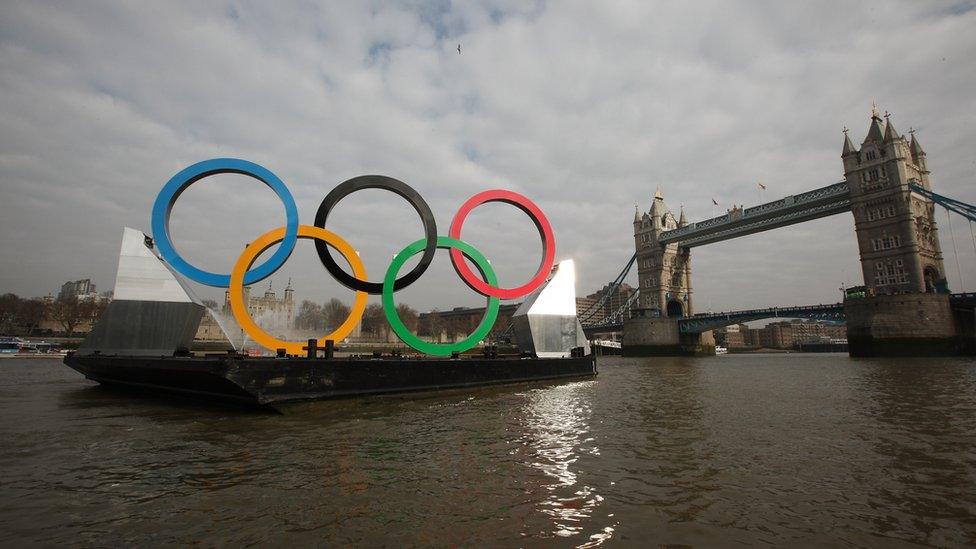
541	223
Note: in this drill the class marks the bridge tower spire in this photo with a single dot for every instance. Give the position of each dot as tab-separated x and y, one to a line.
664	270
896	230
918	154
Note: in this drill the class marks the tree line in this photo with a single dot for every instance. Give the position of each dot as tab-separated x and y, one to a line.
23	316
450	326
329	315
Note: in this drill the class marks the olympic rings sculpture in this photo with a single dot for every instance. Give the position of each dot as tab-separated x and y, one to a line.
245	273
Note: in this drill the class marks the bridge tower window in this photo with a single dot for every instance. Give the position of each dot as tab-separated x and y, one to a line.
881	212
887	274
886	243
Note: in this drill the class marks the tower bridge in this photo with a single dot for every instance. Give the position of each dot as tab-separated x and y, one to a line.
904	307
822	202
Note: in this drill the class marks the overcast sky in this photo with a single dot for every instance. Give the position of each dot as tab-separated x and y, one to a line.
585	107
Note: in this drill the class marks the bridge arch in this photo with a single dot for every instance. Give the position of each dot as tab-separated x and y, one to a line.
675	309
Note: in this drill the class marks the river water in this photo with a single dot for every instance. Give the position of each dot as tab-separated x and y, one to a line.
760	449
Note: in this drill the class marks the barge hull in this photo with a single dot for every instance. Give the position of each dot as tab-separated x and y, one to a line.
270	381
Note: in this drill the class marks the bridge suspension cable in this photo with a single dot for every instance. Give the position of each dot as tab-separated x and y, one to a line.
617	317
966	210
587	315
972	234
955	252
951	205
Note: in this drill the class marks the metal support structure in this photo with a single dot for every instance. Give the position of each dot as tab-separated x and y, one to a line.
825	201
966	210
587	316
711	321
616	318
618	315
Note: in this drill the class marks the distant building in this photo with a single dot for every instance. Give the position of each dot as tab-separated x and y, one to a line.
780	335
590	314
275	315
776	335
585	309
811	331
81	289
209	329
732	337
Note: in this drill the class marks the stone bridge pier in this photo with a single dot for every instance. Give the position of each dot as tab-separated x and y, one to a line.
660	336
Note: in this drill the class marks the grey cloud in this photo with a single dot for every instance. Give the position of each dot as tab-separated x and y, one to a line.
585	107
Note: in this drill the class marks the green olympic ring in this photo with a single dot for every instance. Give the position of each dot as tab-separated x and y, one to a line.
401	330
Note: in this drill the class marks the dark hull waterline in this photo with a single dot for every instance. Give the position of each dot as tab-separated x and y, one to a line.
267	382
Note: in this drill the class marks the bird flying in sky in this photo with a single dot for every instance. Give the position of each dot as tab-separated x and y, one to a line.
459	49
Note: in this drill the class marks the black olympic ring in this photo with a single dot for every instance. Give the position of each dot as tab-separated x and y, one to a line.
388	184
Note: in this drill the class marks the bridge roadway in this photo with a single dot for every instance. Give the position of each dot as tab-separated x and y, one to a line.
822	202
704	322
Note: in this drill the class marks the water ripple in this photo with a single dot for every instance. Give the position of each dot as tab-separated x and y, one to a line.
799	450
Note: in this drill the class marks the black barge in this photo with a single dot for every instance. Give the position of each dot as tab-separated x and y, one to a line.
267	381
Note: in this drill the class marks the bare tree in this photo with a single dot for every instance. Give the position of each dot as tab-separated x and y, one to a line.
210	304
408	315
9	307
93	309
453	327
31	314
68	312
309	316
334	313
434	325
374	320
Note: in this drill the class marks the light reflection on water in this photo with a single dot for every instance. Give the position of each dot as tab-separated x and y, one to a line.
556	428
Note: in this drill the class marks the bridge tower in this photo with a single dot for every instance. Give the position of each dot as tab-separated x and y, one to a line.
906	310
896	230
664	270
665	290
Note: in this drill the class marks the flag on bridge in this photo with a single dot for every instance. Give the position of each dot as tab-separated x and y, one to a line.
714	202
761	186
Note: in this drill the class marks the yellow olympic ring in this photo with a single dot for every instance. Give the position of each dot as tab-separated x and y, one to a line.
262	243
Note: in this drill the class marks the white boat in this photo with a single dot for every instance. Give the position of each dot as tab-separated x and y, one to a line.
719	350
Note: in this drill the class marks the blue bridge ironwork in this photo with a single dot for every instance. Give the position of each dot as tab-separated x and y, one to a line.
704	322
822	202
966	210
711	321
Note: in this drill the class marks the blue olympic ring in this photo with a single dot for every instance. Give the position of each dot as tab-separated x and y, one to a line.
188	176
